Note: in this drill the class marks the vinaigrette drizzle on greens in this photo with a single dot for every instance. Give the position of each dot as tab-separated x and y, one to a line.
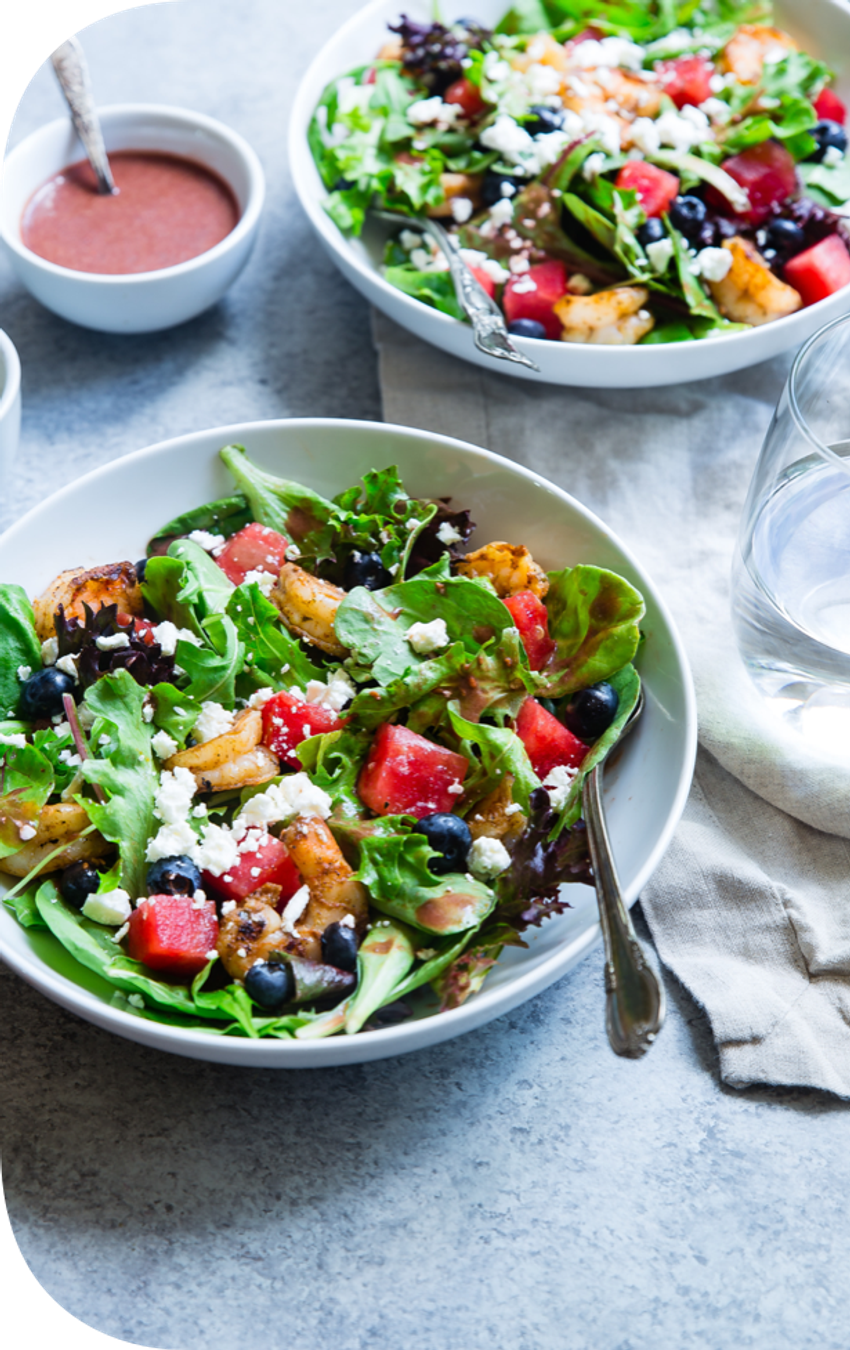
464	697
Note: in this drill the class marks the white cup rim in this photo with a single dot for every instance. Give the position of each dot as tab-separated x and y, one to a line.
188	118
12	374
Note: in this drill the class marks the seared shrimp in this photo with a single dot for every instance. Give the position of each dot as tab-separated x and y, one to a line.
510	567
750	293
251	932
610	318
333	891
497	816
112	584
744	54
233	760
309	607
57	824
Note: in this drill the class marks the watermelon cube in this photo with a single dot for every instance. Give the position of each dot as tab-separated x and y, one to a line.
532	294
270	864
254	549
687	79
467	96
289	720
547	741
656	188
532	619
819	271
406	774
170	933
768	175
830	108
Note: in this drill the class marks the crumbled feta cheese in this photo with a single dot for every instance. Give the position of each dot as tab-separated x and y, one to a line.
24	672
410	239
295	908
432	112
112	908
510	139
525	285
49	651
428	637
147	709
213	720
292	552
16	739
558	783
488	857
68	666
60	726
832	157
173	797
260	698
212	954
136	1000
716	110
593	166
68	757
717	83
26	832
122	932
542	80
217	852
683	130
163	745
167	634
447	534
461	209
713	263
610	51
348	921
660	253
643	134
228	908
112	643
334	695
519	265
512	809
207	541
259	576
426	261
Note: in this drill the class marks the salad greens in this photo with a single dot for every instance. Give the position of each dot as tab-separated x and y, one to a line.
205	733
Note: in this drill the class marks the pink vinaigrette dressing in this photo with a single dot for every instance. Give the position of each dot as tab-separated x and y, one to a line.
166	210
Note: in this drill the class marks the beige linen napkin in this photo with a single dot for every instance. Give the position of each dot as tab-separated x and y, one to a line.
751	906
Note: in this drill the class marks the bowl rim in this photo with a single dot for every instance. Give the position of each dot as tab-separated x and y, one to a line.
408	1036
185	117
301	163
12	374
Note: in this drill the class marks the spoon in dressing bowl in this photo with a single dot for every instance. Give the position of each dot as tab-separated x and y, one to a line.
72	73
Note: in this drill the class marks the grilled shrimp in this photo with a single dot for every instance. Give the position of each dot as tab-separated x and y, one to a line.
497	816
112	584
611	318
333	891
251	932
235	759
750	293
55	825
744	54
308	607
510	567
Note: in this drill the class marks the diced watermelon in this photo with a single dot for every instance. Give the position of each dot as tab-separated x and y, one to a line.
519	301
686	79
467	96
547	741
819	271
532	619
168	933
254	549
829	107
656	188
287	721
269	864
768	175
485	280
406	774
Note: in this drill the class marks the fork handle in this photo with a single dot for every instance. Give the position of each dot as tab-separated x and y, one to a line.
634	996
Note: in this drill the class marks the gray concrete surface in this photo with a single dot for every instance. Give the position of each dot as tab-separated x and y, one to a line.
520	1188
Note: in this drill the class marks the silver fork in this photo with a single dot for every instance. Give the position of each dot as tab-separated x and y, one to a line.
489	332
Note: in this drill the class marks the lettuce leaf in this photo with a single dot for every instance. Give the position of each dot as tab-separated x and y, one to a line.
593	619
627	684
225	516
213	670
499	752
19	645
333	761
432	288
394	869
271	650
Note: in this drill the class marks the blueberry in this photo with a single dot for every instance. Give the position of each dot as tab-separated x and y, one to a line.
271	985
827	134
651	232
343	185
78	882
140	569
41	695
688	215
786	237
491	189
449	835
173	876
591	711
706	235
544	120
365	569
339	946
527	328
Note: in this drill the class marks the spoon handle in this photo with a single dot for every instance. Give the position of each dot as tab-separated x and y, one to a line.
634	996
73	76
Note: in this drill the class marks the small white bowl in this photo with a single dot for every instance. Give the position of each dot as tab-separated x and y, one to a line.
822	27
141	302
10	405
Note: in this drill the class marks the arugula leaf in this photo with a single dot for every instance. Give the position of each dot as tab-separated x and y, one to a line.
334	760
626	682
501	752
593	618
206	587
26	782
162	589
271	650
695	297
227	516
51	744
19	645
294	511
394	869
175	711
212	671
125	773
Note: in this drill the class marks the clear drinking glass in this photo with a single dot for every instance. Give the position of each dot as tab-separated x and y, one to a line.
791	574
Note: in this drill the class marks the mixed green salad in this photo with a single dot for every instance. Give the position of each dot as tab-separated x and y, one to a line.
638	171
306	758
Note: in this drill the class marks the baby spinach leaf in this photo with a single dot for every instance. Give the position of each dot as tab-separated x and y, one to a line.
294	511
593	618
627	684
395	870
385	956
206	588
19	645
125	773
270	648
226	516
163	590
499	751
175	711
25	909
26	782
212	671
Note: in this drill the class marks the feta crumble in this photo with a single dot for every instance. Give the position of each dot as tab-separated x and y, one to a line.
265	580
173	797
713	263
16	739
461	209
294	796
558	783
68	666
207	541
113	908
447	534
26	832
488	857
49	651
659	254
213	720
163	745
167	634
112	643
428	637
24	673
338	691
295	908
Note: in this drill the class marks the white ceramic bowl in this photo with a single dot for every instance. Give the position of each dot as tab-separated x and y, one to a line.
821	26
10	405
89	523
144	301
